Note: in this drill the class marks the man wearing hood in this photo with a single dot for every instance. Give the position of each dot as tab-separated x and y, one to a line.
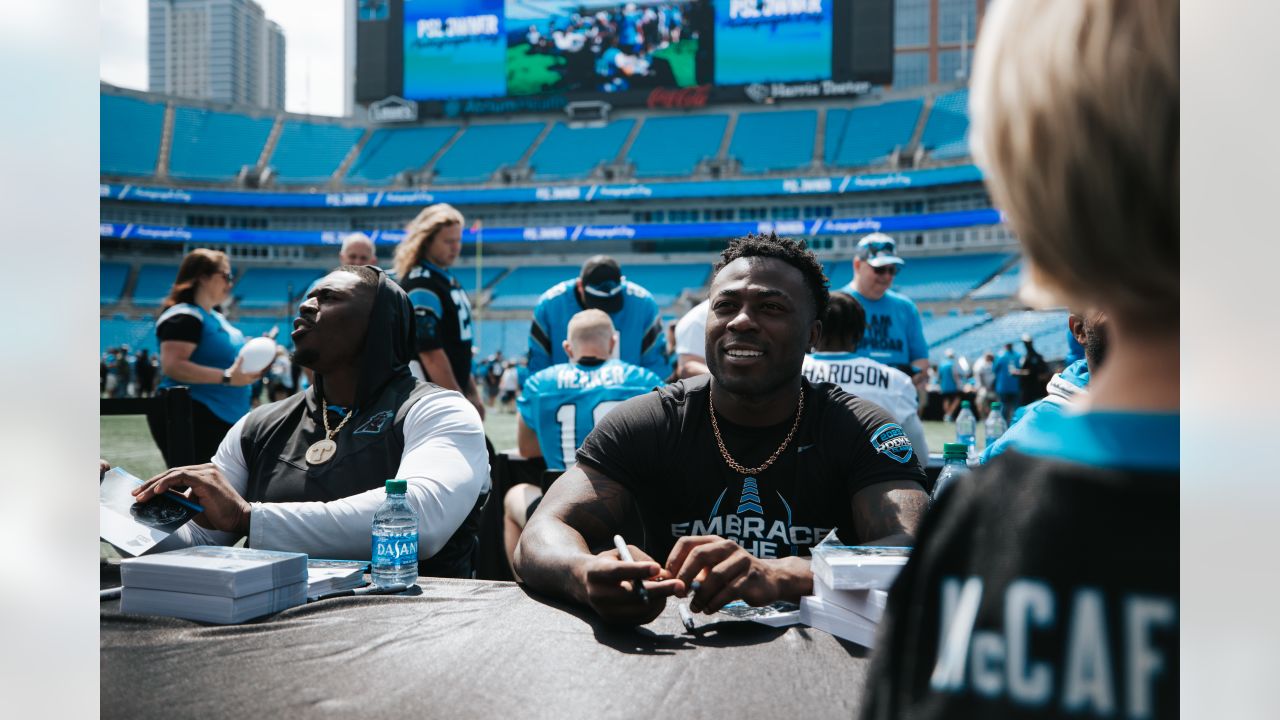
306	474
1068	386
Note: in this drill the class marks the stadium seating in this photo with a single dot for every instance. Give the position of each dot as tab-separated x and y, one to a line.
394	150
941	329
573	152
153	284
839	273
524	285
1046	328
209	145
946	132
130	135
947	278
868	135
1004	285
111	280
509	336
273	287
138	334
773	141
311	152
467	276
669	146
254	326
666	282
483	149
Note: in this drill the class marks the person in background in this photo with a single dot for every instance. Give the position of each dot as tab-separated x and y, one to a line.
144	369
357	249
691	341
1065	388
835	362
509	386
984	380
1007	387
492	378
432	242
600	286
1046	583
1031	373
199	348
560	405
949	385
895	332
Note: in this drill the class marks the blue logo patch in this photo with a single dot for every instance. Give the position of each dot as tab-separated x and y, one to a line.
890	440
376	424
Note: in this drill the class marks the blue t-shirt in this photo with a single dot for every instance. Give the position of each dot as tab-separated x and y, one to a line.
219	344
1006	382
639	325
895	333
947	376
564	402
1107	439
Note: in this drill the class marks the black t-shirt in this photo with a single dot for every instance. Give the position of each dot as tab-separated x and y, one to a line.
661	447
442	314
1057	584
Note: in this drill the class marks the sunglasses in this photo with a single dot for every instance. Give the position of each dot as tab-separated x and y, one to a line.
230	277
891	270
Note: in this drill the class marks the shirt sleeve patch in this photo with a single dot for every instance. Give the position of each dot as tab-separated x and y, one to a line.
891	441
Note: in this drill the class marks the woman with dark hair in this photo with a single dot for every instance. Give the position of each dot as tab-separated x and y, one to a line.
199	349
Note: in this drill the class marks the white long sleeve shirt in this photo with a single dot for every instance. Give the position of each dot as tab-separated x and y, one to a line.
444	461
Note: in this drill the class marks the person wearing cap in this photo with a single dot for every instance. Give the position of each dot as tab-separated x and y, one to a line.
1030	373
949	384
306	474
1007	388
895	332
600	286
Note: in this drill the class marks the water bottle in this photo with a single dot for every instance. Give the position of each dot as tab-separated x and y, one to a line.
395	539
967	428
954	466
995	424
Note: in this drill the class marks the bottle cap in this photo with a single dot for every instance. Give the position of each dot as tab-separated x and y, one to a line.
397	487
955	450
996	404
964	404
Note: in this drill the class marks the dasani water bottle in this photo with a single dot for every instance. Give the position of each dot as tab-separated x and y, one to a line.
967	428
954	466
395	539
995	424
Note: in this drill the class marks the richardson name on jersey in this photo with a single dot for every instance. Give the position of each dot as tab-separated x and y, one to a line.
842	374
1080	652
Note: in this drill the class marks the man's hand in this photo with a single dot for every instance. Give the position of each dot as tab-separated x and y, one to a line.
608	582
103	467
224	509
726	572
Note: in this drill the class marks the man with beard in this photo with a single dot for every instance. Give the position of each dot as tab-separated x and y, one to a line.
734	474
1065	388
306	474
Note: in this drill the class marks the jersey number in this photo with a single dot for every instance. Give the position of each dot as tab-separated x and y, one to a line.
567	416
464	313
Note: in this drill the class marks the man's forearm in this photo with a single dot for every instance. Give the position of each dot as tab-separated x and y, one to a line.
795	578
436	363
548	556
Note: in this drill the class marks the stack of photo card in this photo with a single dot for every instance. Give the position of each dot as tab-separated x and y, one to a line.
849	614
213	584
134	528
850	588
330	576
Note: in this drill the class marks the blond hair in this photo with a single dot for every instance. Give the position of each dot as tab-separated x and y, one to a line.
1074	107
592	327
419	233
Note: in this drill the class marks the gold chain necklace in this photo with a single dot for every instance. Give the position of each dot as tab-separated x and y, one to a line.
322	451
737	466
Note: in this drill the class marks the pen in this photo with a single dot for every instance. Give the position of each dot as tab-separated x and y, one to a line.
625	554
108	594
686	617
367	590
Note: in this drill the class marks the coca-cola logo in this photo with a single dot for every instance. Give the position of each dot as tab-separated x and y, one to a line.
690	97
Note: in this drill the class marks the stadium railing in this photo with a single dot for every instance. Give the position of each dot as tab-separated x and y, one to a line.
173	406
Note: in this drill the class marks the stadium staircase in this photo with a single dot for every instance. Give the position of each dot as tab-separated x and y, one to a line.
912	149
269	148
730	129
345	166
819	139
428	170
166	143
620	159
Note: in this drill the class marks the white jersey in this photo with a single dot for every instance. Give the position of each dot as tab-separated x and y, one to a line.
885	386
691	331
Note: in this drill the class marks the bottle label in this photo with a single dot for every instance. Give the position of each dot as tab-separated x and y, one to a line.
395	549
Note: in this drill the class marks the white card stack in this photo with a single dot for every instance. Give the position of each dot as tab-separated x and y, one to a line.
213	584
850	589
330	576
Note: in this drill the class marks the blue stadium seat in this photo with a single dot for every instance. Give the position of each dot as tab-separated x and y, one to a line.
273	287
868	135
209	145
130	135
839	273
509	336
153	284
666	282
1004	285
111	280
467	276
394	150
572	153
947	278
254	326
482	149
938	330
667	146
310	152
1046	328
524	285
946	132
138	334
770	141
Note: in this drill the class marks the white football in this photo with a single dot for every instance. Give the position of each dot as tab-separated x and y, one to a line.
257	354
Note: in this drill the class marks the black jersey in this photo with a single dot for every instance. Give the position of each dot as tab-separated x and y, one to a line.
1037	588
661	447
442	313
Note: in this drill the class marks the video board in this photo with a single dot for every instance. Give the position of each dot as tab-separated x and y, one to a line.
454	48
761	41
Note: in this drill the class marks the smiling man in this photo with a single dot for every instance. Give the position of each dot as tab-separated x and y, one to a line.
306	474
735	474
895	332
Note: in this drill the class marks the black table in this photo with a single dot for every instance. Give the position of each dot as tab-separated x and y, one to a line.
469	649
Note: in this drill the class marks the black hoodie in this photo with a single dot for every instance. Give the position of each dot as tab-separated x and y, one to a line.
276	436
